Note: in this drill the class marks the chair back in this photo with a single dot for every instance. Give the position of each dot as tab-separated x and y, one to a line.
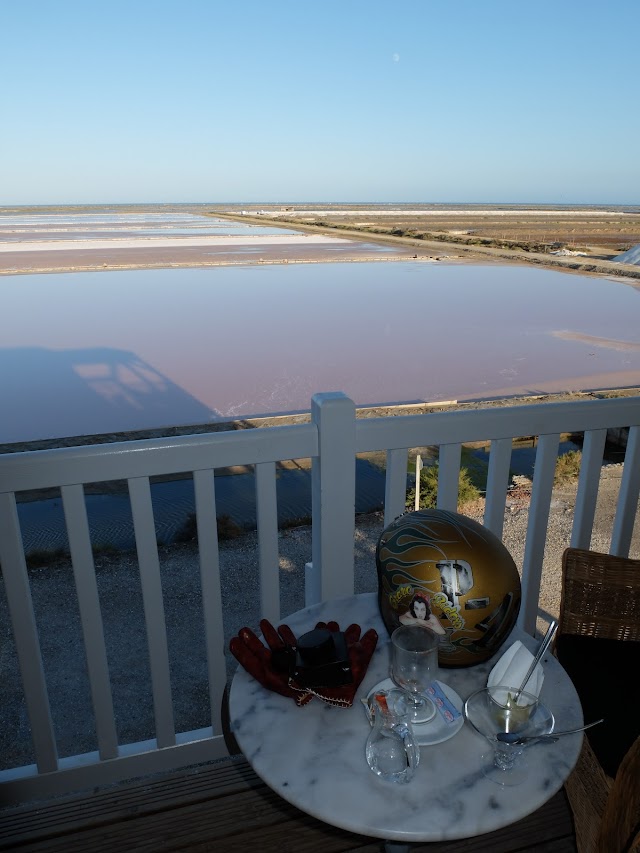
600	596
600	605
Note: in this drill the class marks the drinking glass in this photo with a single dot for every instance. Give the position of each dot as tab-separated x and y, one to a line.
494	710
414	664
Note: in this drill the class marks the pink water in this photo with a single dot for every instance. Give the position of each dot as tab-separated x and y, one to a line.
102	352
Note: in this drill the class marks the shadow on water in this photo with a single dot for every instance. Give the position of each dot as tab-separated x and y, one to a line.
50	392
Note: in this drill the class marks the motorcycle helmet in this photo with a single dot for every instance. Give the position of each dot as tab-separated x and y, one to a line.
447	572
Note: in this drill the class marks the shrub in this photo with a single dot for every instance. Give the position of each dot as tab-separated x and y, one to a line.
227	529
567	467
467	490
104	549
40	557
300	521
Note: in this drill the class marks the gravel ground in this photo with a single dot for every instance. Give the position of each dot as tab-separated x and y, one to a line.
58	621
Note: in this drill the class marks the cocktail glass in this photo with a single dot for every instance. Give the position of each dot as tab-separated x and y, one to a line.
497	709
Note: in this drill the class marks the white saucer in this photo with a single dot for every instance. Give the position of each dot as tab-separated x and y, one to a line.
438	729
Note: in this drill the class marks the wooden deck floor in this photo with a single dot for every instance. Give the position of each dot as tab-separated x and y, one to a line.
225	807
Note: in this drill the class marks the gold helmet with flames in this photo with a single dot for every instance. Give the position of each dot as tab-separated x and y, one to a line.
444	570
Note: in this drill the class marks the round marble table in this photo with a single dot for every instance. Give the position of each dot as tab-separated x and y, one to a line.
314	756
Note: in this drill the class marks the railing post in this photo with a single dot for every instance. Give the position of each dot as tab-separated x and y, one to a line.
25	631
539	508
333	490
395	484
588	484
312	585
626	510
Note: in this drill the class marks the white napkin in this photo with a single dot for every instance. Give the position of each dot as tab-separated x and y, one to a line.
512	668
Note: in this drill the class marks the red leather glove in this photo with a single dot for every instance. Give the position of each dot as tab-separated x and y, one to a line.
267	665
360	650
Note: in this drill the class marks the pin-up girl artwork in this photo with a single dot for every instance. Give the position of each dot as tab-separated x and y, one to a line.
419	613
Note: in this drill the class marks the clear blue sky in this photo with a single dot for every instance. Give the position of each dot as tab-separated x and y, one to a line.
341	100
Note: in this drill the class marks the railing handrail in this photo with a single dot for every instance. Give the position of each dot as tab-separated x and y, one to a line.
469	425
40	469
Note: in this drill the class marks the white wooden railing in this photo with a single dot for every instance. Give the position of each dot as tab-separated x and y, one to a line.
331	440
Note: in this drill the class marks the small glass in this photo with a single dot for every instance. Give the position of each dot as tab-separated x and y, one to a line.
414	665
510	708
391	750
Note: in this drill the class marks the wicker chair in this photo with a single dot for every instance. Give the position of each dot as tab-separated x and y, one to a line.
599	611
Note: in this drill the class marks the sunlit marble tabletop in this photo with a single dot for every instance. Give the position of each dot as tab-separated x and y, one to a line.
314	756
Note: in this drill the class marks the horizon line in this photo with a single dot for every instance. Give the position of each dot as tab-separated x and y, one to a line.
308	202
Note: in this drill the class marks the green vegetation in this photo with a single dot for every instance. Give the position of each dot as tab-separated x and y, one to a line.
433	236
105	549
472	481
567	467
300	521
42	557
227	529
